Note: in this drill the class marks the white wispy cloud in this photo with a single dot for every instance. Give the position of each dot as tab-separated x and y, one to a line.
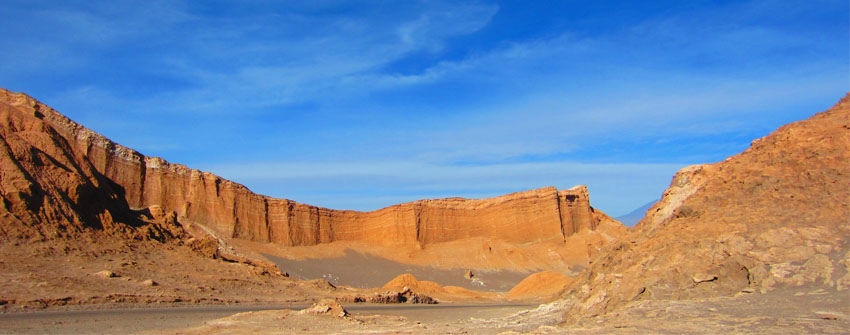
482	118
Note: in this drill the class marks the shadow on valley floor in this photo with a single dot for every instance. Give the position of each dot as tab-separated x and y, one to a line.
365	271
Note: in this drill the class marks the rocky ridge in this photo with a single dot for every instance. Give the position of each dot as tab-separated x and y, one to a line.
44	179
137	182
775	215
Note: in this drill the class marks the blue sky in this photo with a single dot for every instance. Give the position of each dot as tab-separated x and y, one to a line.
360	105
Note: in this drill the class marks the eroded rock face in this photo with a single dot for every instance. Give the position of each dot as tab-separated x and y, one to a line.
776	214
113	172
44	178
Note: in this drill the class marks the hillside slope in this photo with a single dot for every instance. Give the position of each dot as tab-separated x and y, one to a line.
49	189
68	235
774	215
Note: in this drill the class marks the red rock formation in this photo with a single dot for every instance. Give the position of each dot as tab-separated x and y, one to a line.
232	210
44	179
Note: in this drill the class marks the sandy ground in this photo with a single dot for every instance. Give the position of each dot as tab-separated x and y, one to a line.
478	254
785	310
114	272
184	319
365	271
117	321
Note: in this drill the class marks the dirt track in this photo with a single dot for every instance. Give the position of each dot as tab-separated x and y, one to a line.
145	320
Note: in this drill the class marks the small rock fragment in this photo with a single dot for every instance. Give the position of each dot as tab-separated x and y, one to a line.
828	315
107	274
702	277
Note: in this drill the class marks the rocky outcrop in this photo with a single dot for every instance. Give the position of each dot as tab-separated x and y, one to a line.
45	178
329	307
230	209
418	291
775	214
404	296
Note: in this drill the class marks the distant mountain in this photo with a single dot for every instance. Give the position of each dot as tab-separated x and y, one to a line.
634	216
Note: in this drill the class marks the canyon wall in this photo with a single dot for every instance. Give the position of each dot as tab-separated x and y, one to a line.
231	209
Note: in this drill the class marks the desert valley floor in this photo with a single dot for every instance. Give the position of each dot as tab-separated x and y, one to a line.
97	238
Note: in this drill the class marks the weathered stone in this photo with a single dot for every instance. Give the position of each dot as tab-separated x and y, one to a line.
758	219
107	274
109	174
328	307
206	246
702	277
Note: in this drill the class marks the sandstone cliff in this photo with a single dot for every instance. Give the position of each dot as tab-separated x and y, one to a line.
776	214
50	189
96	174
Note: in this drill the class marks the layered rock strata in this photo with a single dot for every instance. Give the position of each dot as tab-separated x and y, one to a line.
48	189
230	209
